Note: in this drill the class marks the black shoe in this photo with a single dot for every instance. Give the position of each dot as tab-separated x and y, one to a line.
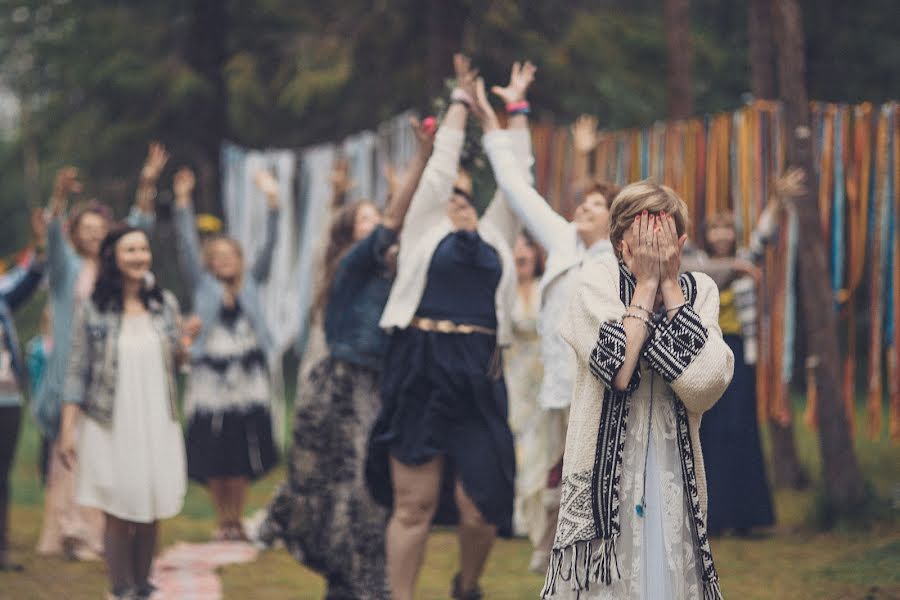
145	591
458	594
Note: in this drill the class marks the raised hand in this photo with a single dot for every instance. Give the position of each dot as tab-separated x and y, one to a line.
183	186
520	78
268	185
584	134
156	160
466	78
643	258
792	184
66	184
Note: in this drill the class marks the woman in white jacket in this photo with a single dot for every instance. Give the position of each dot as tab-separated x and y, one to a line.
568	244
441	449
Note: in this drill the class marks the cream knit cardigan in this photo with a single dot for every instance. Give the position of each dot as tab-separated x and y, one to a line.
692	358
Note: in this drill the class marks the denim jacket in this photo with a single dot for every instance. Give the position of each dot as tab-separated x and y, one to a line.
92	372
208	291
16	287
64	266
358	294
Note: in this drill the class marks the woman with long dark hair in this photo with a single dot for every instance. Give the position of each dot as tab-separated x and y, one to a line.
441	450
324	513
228	395
128	455
73	262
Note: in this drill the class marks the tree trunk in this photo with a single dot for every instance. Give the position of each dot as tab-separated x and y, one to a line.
844	486
207	53
762	66
786	469
680	54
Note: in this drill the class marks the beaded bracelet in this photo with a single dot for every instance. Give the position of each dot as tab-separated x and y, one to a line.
639	307
644	320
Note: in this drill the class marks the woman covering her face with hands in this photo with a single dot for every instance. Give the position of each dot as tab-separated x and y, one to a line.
648	345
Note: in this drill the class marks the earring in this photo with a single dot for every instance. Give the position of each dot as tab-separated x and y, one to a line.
149	280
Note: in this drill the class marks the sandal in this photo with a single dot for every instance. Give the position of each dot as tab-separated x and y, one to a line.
458	594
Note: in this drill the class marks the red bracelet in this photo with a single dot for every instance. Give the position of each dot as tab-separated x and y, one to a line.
518	107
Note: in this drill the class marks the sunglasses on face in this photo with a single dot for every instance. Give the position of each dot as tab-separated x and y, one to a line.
458	191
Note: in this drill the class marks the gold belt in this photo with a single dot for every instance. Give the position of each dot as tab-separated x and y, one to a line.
449	327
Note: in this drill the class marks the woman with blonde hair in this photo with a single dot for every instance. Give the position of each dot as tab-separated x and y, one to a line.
227	399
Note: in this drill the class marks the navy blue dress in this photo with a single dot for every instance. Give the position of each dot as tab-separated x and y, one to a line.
439	395
736	483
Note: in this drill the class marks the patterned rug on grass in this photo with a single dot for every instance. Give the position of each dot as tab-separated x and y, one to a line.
188	571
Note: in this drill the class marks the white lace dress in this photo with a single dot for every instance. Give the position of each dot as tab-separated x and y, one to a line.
656	553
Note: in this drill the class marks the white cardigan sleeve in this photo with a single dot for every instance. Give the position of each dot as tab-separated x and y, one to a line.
429	202
593	323
499	213
689	351
549	228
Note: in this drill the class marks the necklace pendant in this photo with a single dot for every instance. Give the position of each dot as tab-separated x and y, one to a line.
639	509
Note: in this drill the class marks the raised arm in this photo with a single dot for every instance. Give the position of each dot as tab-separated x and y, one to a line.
584	140
60	253
500	212
143	211
688	349
186	238
402	196
17	291
269	187
790	185
514	177
429	201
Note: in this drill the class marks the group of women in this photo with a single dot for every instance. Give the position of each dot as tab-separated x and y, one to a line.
404	421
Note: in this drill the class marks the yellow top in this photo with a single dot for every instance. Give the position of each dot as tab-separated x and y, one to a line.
728	316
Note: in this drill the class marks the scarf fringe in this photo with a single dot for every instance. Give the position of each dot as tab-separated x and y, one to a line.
712	591
582	564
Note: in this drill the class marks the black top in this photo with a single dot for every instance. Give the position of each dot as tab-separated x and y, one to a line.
462	281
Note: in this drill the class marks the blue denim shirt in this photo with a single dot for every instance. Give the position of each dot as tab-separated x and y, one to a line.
16	287
358	294
207	291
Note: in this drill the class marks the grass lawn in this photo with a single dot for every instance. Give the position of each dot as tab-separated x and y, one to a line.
792	562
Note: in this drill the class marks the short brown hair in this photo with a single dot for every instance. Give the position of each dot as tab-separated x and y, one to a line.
646	195
609	190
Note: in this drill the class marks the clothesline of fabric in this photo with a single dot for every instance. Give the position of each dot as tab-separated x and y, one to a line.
729	161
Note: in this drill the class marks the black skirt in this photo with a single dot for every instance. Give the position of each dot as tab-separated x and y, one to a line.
231	443
439	399
736	484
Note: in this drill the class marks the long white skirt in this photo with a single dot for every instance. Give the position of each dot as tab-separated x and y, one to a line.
134	469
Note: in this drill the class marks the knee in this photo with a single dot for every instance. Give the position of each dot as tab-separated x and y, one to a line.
413	510
469	515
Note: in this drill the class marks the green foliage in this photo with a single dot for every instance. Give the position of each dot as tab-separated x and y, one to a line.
102	77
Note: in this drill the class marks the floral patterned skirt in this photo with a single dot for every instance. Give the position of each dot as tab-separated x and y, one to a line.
324	513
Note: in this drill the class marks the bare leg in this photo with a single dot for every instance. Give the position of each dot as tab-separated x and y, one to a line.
145	535
476	537
218	495
416	492
119	554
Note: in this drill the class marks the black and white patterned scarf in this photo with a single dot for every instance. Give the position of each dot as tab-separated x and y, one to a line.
673	348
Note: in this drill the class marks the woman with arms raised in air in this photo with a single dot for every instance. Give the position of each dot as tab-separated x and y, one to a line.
227	400
73	263
441	449
121	379
568	244
324	513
